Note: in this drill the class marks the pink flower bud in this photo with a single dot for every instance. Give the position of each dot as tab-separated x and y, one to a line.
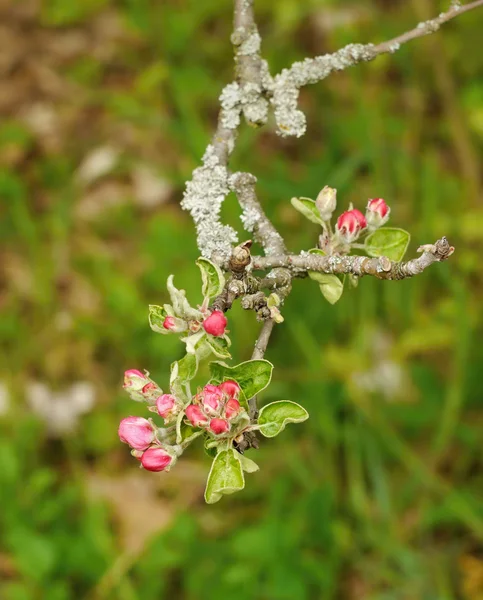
211	397
175	325
196	416
137	432
230	388
165	404
134	379
215	324
349	224
219	426
232	408
149	388
377	213
326	202
156	459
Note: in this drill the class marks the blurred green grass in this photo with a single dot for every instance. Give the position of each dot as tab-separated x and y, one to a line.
377	496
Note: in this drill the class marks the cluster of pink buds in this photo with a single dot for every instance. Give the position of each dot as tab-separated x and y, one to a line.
140	386
214	323
140	434
215	407
351	223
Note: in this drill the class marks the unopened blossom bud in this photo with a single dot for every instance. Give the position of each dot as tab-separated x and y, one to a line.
215	324
134	379
156	459
137	432
175	325
230	388
219	426
196	416
349	225
211	397
232	408
377	213
165	405
326	202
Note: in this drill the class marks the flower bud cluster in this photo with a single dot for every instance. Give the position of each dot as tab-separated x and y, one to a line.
350	224
216	408
214	323
140	386
140	435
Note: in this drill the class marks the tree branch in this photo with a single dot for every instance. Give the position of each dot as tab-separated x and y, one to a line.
254	218
208	187
381	268
286	86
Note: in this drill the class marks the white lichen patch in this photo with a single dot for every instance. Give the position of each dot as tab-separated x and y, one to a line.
251	45
230	101
203	198
290	120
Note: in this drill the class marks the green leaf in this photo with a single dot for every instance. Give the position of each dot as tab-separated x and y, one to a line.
194	342
218	346
252	376
157	314
307	207
212	278
225	477
388	241
330	285
248	465
184	369
273	417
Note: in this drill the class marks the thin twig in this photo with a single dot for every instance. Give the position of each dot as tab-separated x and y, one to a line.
259	352
262	342
286	85
381	268
426	27
254	218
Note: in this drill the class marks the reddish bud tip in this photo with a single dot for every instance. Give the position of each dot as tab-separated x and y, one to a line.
134	378
137	432
377	213
232	408
165	404
219	426
211	397
215	324
169	323
379	206
156	459
230	388
196	416
349	225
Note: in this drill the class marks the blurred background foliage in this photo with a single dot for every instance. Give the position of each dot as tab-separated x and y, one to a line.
106	109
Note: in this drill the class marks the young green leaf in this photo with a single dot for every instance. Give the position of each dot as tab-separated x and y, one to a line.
388	241
212	278
274	416
307	207
157	314
252	376
225	477
186	368
248	465
330	285
218	346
